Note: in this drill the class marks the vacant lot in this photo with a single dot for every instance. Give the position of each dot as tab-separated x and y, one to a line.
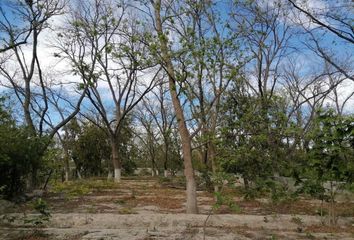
147	209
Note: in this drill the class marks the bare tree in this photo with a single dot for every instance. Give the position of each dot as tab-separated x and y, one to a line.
330	22
14	35
336	18
268	36
157	110
23	72
307	89
101	43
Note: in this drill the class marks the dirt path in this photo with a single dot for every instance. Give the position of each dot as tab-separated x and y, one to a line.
143	210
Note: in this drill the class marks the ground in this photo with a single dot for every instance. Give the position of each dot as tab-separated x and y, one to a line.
144	209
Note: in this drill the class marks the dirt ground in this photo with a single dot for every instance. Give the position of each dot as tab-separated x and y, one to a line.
143	209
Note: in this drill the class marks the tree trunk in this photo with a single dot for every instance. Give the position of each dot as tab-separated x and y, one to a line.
212	155
165	173
116	162
109	175
33	178
191	187
246	182
153	165
66	164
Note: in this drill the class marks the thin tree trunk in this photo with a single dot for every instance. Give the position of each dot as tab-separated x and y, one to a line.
191	188
166	159
66	164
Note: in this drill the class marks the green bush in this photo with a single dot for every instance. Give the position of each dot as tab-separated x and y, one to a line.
21	155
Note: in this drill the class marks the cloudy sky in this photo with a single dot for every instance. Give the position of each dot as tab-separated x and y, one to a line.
59	69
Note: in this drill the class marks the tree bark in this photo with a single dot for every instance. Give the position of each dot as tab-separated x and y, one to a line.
116	161
191	187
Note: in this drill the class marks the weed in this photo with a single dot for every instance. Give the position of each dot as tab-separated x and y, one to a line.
44	215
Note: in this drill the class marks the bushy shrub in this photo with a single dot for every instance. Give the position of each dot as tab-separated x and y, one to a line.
21	154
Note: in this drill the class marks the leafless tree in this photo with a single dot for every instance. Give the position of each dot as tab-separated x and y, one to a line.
329	22
23	69
157	110
101	42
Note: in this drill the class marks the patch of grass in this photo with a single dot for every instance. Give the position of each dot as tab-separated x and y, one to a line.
70	189
82	187
120	201
310	236
297	220
126	210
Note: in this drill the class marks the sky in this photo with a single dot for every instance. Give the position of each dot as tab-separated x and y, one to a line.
50	62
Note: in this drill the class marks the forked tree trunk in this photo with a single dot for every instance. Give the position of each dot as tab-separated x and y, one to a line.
191	187
116	161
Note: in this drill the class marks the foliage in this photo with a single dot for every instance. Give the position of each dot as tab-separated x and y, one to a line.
40	206
91	151
331	156
330	165
21	155
227	200
251	139
332	151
